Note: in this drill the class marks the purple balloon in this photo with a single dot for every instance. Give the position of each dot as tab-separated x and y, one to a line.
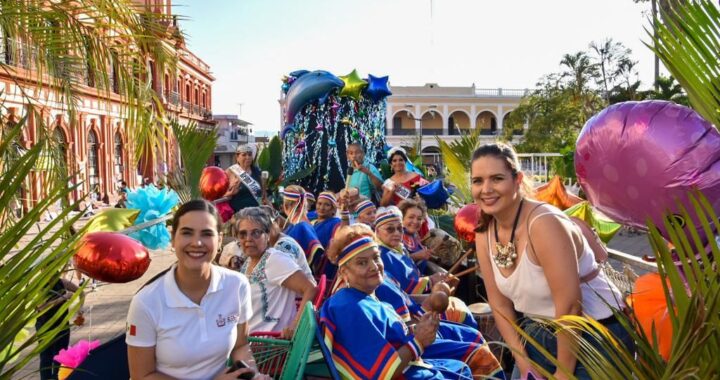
635	160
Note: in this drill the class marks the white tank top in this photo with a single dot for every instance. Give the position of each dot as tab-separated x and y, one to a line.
529	291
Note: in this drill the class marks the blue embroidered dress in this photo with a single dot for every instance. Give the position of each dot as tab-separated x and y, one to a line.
325	231
364	336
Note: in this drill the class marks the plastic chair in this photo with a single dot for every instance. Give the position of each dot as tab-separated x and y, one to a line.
284	359
320	296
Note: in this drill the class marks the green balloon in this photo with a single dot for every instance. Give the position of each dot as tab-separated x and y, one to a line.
353	85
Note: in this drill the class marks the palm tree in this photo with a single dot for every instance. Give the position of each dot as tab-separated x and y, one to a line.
66	45
580	71
669	89
609	55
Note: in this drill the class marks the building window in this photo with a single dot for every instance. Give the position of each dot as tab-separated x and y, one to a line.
61	141
93	160
119	163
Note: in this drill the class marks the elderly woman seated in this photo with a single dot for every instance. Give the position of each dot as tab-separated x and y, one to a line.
275	278
367	338
399	266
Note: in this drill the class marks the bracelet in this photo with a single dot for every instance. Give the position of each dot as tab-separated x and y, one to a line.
415	348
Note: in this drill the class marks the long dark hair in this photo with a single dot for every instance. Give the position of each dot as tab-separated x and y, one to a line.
508	155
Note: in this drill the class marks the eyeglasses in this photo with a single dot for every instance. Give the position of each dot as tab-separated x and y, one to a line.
242	235
393	229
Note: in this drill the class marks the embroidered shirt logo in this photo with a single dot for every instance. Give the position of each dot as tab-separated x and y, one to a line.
130	329
220	321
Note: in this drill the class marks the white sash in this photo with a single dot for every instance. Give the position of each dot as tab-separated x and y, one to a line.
248	181
401	191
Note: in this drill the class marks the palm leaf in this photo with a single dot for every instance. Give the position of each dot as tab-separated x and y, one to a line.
457	173
688	42
196	147
27	274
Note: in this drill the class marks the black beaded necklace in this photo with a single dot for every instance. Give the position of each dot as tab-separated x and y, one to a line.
505	254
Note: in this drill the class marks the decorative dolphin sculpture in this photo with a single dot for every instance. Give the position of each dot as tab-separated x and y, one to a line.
306	89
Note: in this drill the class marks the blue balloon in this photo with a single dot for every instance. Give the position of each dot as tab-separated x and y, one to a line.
377	88
309	87
298	73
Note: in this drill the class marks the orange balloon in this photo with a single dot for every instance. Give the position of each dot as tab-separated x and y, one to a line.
111	257
650	306
465	222
214	183
554	193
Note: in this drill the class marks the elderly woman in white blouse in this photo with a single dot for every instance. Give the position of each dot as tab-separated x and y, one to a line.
275	278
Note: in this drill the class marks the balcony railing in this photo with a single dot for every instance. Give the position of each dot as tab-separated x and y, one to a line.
403	132
500	92
187	106
196	109
174	98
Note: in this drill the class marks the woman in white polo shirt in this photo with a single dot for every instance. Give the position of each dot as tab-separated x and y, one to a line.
187	322
275	278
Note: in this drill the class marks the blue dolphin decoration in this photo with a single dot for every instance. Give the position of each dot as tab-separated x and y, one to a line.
307	88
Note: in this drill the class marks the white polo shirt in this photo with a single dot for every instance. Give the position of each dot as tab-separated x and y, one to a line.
191	341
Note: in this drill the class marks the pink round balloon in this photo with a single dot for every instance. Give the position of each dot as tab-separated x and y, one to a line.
635	160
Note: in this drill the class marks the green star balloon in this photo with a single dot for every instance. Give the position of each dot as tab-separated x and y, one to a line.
353	85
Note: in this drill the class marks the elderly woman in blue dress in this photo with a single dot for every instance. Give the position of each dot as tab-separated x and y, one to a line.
367	338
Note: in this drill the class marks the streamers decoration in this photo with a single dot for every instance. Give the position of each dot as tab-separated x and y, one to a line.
321	131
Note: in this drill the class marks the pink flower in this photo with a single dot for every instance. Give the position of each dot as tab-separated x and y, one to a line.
73	356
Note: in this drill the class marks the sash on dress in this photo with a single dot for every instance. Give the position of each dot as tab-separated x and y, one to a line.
401	191
248	181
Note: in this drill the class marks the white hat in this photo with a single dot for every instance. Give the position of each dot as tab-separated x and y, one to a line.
252	148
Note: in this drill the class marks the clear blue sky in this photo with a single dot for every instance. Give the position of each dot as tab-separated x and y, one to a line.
251	44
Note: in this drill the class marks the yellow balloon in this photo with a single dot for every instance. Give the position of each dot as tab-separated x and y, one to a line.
353	85
112	220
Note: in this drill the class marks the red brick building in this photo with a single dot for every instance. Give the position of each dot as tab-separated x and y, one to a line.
97	140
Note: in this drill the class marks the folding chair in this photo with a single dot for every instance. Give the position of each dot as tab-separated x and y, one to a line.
285	359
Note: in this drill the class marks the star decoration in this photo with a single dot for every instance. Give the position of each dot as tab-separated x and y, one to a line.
353	85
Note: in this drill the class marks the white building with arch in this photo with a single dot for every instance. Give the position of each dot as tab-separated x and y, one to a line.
431	110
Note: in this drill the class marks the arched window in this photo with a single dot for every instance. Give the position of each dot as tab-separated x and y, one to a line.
61	141
93	160
119	162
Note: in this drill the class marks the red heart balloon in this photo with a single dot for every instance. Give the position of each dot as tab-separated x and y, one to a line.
226	212
111	257
214	183
465	222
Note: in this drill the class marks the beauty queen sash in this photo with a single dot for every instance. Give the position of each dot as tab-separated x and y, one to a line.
401	191
249	182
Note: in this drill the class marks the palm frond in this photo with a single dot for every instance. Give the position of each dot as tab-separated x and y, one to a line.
28	273
688	43
196	147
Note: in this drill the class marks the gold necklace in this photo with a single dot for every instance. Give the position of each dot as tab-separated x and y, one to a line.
505	254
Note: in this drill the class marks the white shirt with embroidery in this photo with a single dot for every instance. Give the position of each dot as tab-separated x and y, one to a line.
273	305
191	341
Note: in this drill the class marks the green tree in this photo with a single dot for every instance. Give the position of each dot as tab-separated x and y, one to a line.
669	89
612	59
555	114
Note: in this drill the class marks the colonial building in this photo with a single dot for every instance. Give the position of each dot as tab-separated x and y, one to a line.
97	139
231	132
424	112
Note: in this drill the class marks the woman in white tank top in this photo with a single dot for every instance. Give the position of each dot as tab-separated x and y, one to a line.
534	260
